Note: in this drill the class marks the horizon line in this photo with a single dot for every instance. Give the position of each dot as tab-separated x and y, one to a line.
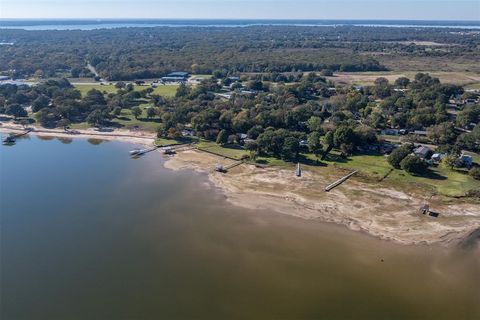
235	19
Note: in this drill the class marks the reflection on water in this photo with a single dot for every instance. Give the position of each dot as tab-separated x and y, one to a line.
46	138
65	140
87	233
95	142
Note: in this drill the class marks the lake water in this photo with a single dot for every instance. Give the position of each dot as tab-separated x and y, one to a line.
92	24
88	233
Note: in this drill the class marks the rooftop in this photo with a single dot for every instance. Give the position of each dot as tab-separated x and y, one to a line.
178	74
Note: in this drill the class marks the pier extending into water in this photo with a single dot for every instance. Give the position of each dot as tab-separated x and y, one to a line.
12	137
224	169
339	181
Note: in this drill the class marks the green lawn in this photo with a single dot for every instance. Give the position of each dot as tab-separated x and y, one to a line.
231	151
162	90
127	120
167	141
165	90
84	88
442	180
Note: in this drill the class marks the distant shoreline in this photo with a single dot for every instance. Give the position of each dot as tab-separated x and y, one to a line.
92	24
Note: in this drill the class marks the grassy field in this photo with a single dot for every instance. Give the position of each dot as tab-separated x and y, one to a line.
166	90
440	179
368	78
84	88
168	142
375	167
127	120
233	151
396	62
475	86
162	90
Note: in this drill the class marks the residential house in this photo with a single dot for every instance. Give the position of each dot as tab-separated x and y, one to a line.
422	152
241	137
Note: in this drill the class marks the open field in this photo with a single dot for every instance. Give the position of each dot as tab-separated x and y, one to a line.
230	151
128	121
401	63
164	141
368	78
424	43
162	90
440	180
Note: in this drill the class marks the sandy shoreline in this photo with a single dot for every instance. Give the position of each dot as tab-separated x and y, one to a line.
380	211
137	137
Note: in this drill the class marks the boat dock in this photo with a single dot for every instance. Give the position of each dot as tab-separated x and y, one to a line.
141	152
172	149
224	169
339	181
12	137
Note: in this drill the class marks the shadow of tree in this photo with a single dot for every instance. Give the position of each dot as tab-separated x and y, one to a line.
429	174
149	120
315	163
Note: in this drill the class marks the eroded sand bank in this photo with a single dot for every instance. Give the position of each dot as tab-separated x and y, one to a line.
370	207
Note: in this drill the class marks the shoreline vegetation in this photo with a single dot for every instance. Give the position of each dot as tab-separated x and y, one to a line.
376	208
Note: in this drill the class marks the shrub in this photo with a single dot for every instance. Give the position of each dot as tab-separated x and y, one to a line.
475	173
398	155
413	165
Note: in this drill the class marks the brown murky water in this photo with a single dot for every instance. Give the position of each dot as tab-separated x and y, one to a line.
88	233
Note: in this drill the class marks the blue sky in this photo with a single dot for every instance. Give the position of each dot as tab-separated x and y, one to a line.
244	9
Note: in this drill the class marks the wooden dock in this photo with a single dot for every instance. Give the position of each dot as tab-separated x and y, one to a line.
339	181
141	152
224	169
12	137
16	135
233	165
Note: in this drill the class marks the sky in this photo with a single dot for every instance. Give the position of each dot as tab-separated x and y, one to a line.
244	9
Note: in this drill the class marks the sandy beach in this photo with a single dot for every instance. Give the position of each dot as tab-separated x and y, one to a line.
138	137
382	212
378	210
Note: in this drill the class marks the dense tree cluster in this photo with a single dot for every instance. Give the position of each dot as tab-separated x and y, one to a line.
56	103
278	119
132	53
